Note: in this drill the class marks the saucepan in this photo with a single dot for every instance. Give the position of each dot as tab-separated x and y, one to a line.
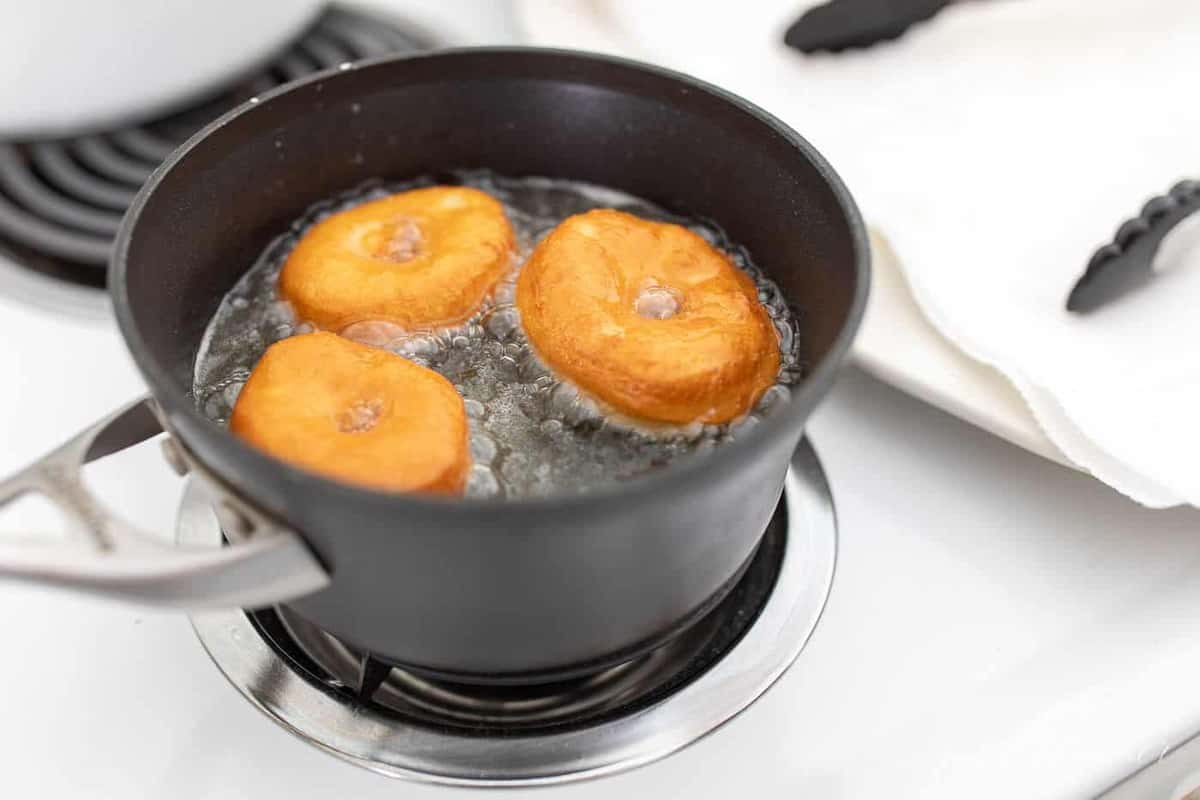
504	591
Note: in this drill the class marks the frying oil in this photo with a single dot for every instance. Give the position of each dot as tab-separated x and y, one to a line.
531	434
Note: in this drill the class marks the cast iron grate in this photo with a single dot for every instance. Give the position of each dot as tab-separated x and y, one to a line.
62	200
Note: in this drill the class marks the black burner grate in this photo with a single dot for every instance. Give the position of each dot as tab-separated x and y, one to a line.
357	679
61	201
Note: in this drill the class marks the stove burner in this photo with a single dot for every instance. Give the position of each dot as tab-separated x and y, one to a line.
402	724
61	201
607	694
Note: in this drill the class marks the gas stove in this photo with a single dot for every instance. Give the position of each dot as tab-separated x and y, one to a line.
998	626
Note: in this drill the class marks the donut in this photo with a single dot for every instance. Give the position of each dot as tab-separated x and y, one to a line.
355	413
647	318
416	260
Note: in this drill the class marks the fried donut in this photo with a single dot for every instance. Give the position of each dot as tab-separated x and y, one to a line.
420	259
355	413
648	318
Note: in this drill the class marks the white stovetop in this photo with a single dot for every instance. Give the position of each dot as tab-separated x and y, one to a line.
1000	626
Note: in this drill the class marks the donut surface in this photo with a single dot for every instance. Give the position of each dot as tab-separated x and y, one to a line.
648	318
355	413
419	259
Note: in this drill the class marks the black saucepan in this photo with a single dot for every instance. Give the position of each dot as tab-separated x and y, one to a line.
476	590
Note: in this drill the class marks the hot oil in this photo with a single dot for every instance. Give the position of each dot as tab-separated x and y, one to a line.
531	434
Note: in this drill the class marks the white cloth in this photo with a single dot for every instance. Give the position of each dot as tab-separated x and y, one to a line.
997	147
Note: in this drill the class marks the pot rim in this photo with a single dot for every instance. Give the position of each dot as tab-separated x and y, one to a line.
730	456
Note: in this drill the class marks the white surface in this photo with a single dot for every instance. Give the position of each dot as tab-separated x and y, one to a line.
70	65
460	23
898	345
1000	627
940	101
1116	390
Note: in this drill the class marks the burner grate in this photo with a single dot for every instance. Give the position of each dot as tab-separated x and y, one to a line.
476	710
61	201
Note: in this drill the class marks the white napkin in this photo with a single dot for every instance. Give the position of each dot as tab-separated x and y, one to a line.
997	147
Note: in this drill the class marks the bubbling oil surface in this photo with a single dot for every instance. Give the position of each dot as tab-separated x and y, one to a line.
531	434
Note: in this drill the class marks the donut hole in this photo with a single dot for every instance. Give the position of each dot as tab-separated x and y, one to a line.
402	241
361	416
657	302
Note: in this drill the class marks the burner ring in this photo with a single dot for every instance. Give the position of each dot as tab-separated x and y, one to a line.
383	743
413	695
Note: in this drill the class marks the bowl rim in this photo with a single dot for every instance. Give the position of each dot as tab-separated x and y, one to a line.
807	393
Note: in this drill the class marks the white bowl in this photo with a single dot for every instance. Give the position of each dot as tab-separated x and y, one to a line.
74	65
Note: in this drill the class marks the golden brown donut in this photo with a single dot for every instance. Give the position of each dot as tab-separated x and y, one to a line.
648	318
355	413
420	259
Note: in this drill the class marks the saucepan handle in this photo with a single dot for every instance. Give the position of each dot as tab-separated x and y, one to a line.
105	555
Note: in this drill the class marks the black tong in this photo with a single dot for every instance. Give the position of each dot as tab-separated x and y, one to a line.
847	24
